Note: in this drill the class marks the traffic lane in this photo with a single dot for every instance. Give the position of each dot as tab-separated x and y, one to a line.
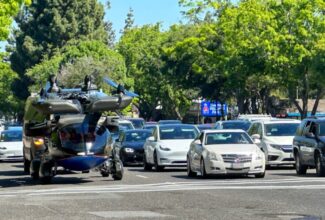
183	204
12	175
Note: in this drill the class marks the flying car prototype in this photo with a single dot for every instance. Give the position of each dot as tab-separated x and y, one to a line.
65	128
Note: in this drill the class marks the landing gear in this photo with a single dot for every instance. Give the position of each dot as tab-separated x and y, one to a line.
45	172
112	166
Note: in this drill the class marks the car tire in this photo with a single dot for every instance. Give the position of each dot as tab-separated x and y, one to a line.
260	175
300	168
158	168
104	174
45	172
202	169
34	168
118	172
26	165
320	168
146	165
190	173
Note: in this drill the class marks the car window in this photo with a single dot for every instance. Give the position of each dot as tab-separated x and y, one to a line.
136	136
125	126
227	138
177	132
253	129
281	129
300	128
11	136
321	129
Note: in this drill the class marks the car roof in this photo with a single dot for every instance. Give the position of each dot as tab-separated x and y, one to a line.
224	130
176	125
136	130
235	121
280	121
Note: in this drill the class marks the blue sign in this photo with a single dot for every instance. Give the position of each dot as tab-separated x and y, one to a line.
213	109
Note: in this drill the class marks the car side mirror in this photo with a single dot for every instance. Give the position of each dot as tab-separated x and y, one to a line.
257	141
310	135
197	141
256	137
151	138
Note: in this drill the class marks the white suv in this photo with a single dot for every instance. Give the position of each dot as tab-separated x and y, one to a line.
276	137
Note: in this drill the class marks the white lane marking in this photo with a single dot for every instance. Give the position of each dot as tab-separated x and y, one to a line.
129	214
169	186
144	177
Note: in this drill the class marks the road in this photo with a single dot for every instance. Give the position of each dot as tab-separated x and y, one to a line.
165	195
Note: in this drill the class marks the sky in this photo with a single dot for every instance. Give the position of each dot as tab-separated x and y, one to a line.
145	12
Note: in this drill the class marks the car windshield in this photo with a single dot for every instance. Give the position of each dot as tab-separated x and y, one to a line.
227	138
137	136
163	122
11	136
125	126
137	123
177	132
281	129
236	125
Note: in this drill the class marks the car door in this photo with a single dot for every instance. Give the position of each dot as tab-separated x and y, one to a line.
310	144
303	144
197	151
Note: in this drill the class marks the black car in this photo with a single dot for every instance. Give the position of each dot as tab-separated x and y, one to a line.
309	146
129	145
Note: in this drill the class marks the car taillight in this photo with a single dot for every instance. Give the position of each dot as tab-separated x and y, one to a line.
38	142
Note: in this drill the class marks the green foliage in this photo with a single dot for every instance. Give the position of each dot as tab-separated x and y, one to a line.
8	9
47	26
9	105
79	59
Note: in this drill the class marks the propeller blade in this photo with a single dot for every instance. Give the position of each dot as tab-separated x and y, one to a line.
110	82
132	94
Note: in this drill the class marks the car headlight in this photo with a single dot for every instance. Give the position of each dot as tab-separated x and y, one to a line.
212	156
276	146
164	148
128	150
258	157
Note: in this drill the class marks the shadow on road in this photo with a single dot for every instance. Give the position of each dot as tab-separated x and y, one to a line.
165	170
214	177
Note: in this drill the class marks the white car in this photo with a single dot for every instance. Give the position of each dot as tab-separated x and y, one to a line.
168	146
275	137
228	151
11	145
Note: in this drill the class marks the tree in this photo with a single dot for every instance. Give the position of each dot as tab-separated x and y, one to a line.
8	9
46	26
74	61
9	105
129	21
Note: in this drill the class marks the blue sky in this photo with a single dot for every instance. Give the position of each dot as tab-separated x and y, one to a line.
145	12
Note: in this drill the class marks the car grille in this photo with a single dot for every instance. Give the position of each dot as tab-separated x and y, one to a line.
236	158
286	148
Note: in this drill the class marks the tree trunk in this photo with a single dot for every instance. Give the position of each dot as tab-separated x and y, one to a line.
320	92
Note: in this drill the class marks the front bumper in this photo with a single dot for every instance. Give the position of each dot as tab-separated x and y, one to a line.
134	158
220	167
172	158
11	156
280	158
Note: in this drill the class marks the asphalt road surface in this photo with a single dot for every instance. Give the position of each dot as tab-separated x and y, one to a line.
165	195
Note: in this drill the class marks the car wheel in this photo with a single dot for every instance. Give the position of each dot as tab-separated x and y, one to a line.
34	168
300	168
260	175
190	173
202	169
104	174
157	166
146	165
320	169
45	172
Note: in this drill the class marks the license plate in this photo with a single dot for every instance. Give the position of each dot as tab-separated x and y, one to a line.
237	165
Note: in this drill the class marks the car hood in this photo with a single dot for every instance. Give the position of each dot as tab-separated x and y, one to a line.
233	148
179	145
134	144
285	140
16	145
